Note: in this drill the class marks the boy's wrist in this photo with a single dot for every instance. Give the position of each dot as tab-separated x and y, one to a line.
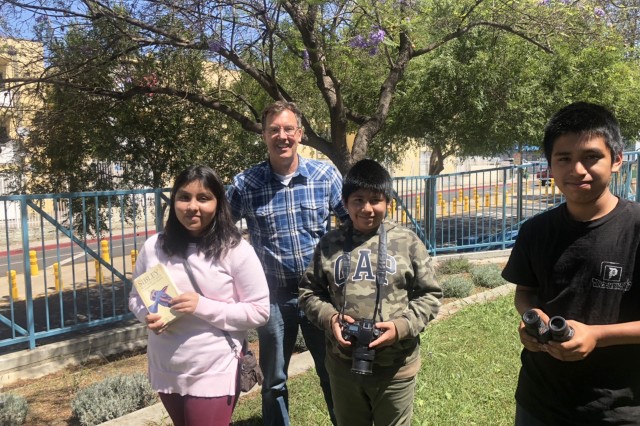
402	327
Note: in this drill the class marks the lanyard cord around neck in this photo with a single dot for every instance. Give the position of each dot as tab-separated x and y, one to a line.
381	269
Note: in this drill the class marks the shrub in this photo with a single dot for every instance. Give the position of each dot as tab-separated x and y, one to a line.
112	398
487	276
456	286
456	265
13	409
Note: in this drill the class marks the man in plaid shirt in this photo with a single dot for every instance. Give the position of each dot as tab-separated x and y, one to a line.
286	203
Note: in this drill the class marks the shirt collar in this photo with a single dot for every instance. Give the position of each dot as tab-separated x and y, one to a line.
263	173
302	170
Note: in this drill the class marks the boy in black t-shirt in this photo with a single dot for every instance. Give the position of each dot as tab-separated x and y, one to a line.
579	261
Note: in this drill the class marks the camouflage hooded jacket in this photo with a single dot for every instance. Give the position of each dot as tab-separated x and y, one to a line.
409	297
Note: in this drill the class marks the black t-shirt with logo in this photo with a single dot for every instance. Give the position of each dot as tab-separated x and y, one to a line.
584	271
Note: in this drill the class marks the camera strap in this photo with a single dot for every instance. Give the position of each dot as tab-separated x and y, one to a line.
381	267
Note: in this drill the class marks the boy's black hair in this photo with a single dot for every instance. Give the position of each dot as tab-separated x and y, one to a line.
583	118
220	236
368	174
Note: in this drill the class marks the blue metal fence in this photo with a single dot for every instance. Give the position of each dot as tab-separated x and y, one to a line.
72	254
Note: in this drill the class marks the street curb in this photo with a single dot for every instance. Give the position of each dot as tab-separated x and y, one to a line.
53	245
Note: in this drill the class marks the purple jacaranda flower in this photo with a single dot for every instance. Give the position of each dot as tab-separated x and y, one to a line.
544	2
376	36
599	12
215	45
306	64
358	42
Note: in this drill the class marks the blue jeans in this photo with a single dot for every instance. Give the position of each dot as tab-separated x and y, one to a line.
277	340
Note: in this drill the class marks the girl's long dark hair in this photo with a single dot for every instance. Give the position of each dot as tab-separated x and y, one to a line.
221	234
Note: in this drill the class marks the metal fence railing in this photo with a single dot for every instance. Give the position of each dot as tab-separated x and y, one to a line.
66	259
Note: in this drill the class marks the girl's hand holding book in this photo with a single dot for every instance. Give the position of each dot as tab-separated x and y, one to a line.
185	303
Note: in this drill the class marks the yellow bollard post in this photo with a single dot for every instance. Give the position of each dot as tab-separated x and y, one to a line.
476	201
443	208
487	200
98	271
459	194
454	206
475	192
546	190
553	186
33	260
439	197
418	206
13	284
56	276
104	251
134	256
404	217
466	204
495	197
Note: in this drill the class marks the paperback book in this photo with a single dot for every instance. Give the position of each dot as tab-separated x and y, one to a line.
156	289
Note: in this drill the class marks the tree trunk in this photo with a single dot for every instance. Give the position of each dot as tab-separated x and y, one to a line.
436	161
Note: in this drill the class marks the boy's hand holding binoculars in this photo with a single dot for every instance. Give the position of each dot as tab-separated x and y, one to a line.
562	339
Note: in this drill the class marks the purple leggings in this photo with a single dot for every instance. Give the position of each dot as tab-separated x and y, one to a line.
199	411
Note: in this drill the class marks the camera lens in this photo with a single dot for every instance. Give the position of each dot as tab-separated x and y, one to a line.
362	366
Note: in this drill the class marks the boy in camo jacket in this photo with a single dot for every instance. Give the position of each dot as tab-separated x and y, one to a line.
346	289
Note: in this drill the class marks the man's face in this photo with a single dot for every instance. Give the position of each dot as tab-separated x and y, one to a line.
582	167
282	136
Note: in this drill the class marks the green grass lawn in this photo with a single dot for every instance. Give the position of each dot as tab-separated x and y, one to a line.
470	364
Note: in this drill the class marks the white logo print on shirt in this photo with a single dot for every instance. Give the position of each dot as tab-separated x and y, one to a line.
611	277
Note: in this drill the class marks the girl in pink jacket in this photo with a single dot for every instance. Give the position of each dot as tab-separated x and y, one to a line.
191	364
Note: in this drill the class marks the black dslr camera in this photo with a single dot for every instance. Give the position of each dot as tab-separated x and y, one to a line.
360	334
558	330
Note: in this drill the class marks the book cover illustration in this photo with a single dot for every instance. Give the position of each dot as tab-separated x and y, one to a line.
156	289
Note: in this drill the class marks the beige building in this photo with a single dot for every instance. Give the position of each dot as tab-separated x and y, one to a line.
18	102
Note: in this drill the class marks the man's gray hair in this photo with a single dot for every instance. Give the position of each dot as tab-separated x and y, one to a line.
278	107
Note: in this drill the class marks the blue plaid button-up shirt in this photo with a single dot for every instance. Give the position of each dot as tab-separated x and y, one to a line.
286	222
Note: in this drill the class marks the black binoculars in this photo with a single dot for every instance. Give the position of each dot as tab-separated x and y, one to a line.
557	330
